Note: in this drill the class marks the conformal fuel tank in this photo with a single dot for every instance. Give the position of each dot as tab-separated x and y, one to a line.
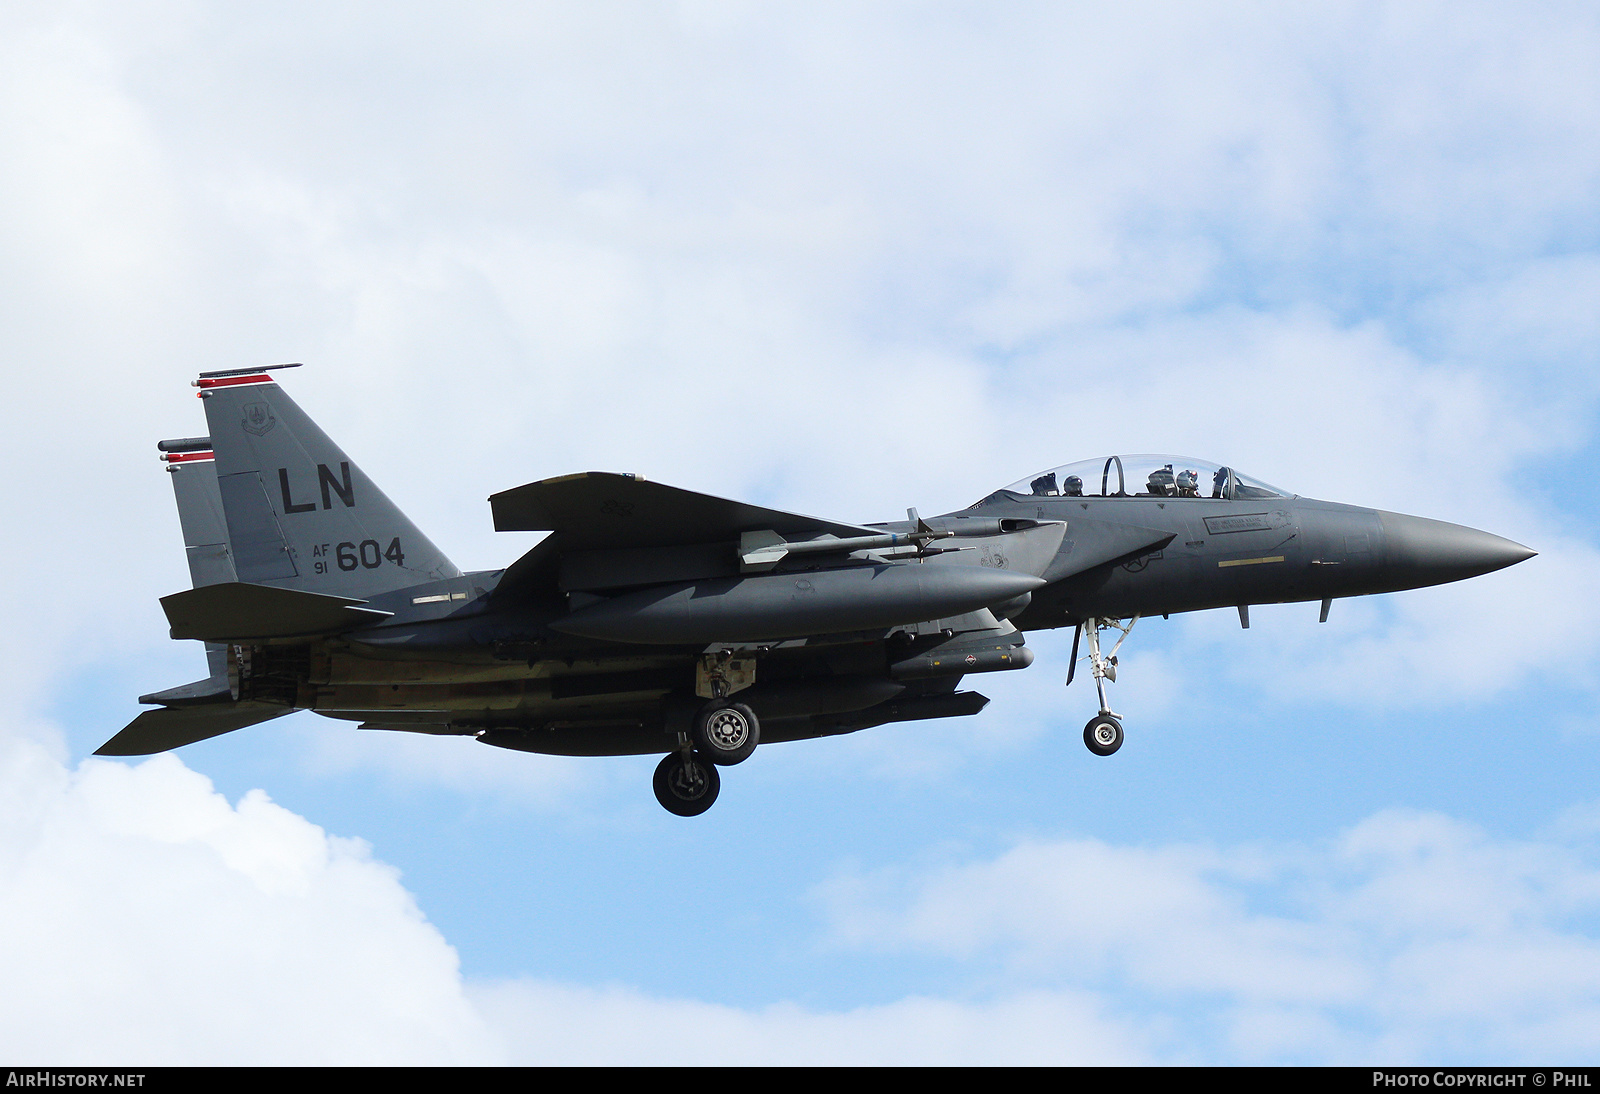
794	605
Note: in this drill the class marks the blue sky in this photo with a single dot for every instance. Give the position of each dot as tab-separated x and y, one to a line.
843	260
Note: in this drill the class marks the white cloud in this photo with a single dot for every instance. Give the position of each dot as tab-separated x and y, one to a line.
147	921
823	260
455	762
1411	936
542	1023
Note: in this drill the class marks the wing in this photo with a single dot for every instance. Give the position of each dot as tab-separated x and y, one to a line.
596	510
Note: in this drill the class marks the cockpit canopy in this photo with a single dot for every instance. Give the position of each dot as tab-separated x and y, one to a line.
1144	476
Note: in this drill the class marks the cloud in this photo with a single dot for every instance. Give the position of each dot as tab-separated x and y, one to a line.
147	921
151	922
543	1023
885	261
1410	936
518	779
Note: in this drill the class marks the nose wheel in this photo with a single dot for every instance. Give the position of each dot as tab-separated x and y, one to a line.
1103	734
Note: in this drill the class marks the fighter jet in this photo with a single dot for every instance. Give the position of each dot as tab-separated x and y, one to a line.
658	620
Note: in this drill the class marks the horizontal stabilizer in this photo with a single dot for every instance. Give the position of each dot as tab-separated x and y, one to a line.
172	727
213	689
236	611
596	510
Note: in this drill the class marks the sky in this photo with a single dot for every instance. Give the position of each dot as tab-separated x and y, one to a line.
842	259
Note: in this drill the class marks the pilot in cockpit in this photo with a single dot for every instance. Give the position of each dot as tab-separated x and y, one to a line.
1188	484
1161	482
1073	487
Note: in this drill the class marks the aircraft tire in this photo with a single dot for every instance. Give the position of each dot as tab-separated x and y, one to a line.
1103	734
725	732
686	786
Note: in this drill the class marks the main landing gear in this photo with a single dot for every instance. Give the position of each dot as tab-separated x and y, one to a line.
723	733
726	732
1103	734
686	784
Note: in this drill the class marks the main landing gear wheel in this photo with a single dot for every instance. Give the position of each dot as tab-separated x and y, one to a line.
1103	734
726	732
686	785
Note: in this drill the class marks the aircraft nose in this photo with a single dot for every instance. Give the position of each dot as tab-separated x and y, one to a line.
1433	552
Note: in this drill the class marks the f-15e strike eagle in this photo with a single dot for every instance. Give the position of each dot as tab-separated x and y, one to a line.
658	620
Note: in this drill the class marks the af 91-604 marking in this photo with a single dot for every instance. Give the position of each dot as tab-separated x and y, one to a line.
364	555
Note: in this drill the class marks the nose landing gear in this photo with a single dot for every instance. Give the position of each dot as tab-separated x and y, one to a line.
1103	734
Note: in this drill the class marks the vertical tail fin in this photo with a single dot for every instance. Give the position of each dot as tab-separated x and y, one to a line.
205	531
299	514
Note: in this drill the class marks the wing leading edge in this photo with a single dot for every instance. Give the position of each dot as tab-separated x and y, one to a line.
596	510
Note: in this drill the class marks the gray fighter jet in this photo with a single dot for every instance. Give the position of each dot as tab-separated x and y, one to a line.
658	620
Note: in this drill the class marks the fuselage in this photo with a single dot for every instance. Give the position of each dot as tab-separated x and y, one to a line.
593	695
1225	553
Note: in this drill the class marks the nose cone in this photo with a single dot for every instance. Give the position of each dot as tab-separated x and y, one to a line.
1422	552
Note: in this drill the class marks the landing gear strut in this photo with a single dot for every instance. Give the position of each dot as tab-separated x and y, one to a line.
725	732
1103	734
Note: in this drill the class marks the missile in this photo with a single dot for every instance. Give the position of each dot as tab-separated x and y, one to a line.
795	605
